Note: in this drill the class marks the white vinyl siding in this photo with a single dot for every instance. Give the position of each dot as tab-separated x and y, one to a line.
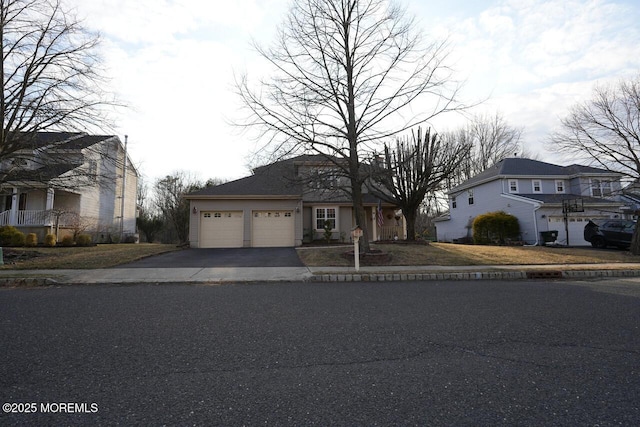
536	186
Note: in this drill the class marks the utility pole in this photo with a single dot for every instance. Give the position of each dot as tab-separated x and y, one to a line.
124	186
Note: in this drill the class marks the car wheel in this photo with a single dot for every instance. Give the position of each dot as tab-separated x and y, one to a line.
598	242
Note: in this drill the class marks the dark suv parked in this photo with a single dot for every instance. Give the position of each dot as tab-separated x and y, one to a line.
609	232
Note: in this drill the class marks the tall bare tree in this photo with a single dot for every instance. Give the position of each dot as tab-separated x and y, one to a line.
491	139
346	74
169	201
605	131
50	72
415	167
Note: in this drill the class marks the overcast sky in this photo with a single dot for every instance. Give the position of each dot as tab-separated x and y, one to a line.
173	62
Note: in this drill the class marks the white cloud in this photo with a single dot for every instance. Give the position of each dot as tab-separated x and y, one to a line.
173	60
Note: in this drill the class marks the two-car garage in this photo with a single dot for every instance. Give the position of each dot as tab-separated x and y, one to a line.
232	228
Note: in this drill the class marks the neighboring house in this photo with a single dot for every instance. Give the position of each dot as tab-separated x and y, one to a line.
284	204
70	183
538	194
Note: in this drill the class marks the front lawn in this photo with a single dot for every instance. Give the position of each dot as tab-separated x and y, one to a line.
451	254
100	256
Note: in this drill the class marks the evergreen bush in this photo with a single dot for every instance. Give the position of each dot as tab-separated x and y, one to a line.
11	236
50	240
67	241
32	240
495	227
84	240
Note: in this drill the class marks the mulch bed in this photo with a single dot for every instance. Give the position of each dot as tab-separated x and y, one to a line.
373	257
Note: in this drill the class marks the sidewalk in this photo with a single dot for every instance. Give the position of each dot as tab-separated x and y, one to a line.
312	274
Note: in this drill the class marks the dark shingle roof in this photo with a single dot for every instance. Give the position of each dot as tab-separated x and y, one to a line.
516	166
559	198
276	179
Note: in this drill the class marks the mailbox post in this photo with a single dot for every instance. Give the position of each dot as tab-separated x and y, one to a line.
356	233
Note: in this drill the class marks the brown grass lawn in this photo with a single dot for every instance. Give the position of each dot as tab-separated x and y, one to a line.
450	254
104	256
100	256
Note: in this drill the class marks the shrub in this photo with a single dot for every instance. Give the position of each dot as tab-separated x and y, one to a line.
495	227
18	239
10	236
84	240
67	241
32	240
327	231
50	240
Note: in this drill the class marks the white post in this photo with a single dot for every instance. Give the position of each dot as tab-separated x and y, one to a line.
13	218
356	233
356	252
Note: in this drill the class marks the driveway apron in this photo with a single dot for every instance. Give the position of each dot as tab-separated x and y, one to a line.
220	258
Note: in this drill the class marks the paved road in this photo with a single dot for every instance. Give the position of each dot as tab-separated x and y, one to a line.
450	353
228	257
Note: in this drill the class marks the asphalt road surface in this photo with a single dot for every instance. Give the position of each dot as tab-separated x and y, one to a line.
450	353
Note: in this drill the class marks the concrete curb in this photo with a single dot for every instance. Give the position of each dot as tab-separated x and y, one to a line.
551	274
27	282
479	275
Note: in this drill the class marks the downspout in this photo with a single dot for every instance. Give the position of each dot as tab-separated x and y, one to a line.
535	225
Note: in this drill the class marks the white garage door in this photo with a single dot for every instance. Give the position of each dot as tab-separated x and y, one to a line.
576	229
273	229
222	229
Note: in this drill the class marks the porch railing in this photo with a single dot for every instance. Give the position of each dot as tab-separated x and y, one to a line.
390	232
38	218
5	217
32	217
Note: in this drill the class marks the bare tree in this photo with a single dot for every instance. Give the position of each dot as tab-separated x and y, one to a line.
51	75
605	131
346	73
173	207
491	139
414	168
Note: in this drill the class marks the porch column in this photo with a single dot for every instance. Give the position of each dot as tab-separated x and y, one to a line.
49	206
374	220
13	217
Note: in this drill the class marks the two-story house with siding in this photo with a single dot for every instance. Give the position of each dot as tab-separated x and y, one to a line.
69	182
284	204
543	196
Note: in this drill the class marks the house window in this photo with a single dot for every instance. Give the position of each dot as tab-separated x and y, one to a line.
207	214
537	186
560	186
454	204
470	194
513	186
600	188
217	215
323	215
22	202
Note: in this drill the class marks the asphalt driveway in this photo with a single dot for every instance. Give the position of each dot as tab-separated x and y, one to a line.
214	258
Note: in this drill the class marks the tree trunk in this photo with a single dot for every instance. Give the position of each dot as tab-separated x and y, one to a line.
360	214
410	217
